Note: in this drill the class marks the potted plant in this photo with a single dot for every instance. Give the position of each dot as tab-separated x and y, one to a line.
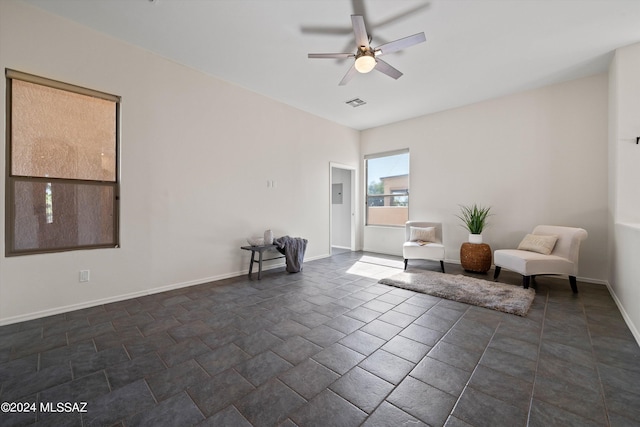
474	219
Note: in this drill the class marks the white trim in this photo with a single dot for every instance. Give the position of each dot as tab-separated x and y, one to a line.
385	154
592	281
165	288
625	316
578	278
353	181
122	297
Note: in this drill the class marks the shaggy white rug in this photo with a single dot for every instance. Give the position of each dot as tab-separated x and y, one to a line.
494	295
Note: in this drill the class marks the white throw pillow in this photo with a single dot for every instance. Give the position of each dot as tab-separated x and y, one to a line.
426	234
538	243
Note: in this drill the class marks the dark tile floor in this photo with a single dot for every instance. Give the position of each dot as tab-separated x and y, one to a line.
326	347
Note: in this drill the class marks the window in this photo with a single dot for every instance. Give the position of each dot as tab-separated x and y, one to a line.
62	166
387	188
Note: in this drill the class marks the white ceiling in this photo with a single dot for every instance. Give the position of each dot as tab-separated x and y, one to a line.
475	49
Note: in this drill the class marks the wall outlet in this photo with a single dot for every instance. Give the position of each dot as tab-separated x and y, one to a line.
84	275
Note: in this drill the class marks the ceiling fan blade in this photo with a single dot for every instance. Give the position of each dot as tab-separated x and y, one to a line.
358	7
400	44
332	31
387	69
401	15
359	30
331	55
347	77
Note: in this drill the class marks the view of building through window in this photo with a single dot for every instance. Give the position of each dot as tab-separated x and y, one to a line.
387	188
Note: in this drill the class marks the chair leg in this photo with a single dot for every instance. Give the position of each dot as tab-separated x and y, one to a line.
496	273
442	265
574	285
406	261
525	281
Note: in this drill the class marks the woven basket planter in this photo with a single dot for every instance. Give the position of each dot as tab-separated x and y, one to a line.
475	257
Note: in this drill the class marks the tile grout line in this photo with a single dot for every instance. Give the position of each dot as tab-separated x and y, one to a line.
535	376
296	290
596	369
408	374
474	369
595	360
365	357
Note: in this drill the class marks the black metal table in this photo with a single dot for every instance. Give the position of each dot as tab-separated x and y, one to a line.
260	249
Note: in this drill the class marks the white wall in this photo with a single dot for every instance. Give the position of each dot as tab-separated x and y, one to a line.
341	213
197	153
537	157
624	176
626	127
624	281
196	156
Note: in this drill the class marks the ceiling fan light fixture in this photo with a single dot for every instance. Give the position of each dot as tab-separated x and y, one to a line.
365	62
365	55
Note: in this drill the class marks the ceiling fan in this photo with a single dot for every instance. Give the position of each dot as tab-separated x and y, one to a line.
367	57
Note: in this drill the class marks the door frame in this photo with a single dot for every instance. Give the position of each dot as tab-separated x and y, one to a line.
353	179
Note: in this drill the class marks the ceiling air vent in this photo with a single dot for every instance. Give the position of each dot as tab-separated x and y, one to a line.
355	102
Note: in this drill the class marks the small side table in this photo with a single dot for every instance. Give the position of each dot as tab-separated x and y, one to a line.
475	257
260	250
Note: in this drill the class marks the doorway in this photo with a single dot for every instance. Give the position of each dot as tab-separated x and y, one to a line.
342	206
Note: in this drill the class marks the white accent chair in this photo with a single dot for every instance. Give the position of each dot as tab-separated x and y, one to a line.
429	251
563	259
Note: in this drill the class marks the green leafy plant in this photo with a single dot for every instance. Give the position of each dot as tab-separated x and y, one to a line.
474	217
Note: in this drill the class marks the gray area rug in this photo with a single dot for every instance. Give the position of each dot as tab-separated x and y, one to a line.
483	293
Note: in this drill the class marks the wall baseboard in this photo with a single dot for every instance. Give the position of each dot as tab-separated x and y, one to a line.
579	278
122	297
173	286
116	298
625	316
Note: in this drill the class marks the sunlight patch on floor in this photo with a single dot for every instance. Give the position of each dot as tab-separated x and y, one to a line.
375	267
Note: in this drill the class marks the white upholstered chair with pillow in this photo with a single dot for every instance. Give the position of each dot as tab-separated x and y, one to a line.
423	240
549	249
